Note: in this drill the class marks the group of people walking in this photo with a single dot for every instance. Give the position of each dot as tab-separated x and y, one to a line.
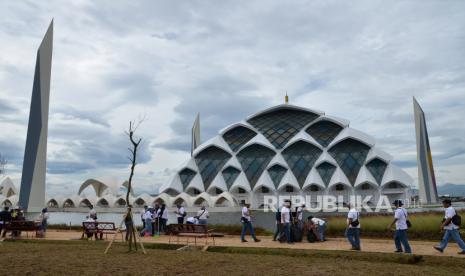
450	225
290	226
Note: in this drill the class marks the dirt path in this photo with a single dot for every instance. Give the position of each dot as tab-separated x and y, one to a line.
369	245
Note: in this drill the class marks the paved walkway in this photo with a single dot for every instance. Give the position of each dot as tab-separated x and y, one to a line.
370	245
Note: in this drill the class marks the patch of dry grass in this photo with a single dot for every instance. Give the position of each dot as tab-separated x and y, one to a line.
87	258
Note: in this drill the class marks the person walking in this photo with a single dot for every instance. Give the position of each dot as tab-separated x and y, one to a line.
180	213
353	227
286	220
246	220
400	220
451	225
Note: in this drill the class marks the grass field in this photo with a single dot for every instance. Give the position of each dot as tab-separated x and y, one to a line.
87	258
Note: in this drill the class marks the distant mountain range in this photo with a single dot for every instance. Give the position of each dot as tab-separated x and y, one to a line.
451	189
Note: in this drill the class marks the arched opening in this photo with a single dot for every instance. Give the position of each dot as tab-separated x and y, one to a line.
120	202
85	203
199	202
193	191
215	191
103	203
179	201
52	203
158	201
339	187
172	192
139	202
68	203
313	188
223	202
7	203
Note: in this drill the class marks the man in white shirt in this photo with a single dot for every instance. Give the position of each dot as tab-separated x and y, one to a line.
180	213
246	220
286	220
353	227
202	215
452	230
320	227
400	220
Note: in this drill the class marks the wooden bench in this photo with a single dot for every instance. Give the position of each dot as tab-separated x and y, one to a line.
190	231
22	226
99	228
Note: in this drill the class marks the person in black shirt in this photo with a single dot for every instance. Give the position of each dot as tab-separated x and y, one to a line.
5	217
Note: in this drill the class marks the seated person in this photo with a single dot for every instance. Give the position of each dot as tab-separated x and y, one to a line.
192	220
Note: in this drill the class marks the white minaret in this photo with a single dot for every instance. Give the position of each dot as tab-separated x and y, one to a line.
426	180
32	191
195	134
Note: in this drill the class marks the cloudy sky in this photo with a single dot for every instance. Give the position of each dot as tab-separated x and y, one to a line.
167	60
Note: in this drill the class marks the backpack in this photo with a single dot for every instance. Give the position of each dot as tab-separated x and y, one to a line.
456	219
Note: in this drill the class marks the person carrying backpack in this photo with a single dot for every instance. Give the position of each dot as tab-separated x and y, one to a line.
353	227
402	224
450	224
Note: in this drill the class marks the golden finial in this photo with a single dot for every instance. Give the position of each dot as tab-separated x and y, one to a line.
286	98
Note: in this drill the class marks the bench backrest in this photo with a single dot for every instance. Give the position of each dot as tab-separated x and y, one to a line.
187	228
97	225
22	225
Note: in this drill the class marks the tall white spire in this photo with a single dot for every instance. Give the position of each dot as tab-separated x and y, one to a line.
32	191
426	179
195	134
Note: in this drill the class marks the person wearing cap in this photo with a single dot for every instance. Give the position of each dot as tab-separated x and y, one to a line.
451	229
400	220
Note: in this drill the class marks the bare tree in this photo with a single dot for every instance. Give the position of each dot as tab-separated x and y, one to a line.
3	163
128	218
129	221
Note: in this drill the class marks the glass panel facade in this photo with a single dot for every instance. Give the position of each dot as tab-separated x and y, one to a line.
277	173
210	161
377	167
281	125
324	132
254	160
238	136
230	174
186	176
300	157
326	171
350	155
